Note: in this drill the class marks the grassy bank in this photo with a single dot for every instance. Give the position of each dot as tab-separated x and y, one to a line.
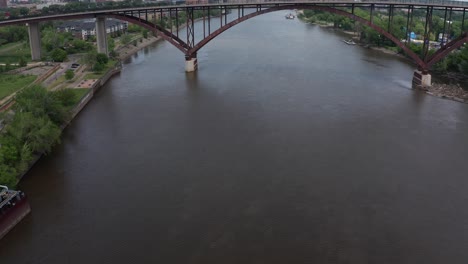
13	52
78	95
96	75
34	128
12	83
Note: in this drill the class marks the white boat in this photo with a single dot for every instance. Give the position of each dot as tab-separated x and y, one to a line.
290	16
349	42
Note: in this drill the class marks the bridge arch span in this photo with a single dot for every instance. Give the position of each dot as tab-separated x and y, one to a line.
166	35
361	20
445	50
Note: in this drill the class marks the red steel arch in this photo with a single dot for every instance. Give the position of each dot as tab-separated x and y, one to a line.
166	35
445	50
361	20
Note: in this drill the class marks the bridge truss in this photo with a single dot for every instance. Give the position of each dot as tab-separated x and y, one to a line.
188	45
215	20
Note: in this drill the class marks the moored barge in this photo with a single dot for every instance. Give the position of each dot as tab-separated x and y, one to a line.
14	207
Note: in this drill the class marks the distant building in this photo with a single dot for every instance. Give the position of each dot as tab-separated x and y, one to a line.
86	28
195	2
3	3
41	6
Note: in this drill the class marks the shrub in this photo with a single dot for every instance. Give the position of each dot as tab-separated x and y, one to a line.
69	74
58	55
102	58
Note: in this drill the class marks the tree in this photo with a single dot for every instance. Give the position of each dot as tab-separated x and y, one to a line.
125	39
90	57
39	133
65	96
38	101
102	58
51	39
79	45
24	11
22	62
59	55
33	129
110	44
69	74
8	175
98	67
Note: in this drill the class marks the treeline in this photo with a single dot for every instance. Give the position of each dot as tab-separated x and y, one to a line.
168	22
13	34
32	129
56	45
398	27
457	61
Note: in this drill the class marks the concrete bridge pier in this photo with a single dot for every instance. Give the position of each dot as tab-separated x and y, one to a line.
421	79
191	63
101	35
35	40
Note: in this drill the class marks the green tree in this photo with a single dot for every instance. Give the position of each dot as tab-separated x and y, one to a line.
125	39
22	62
59	55
38	101
51	39
110	44
102	58
65	96
39	133
8	175
90	57
69	74
98	67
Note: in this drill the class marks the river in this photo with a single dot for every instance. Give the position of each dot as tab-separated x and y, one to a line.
287	146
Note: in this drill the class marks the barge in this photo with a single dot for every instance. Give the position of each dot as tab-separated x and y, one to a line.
14	207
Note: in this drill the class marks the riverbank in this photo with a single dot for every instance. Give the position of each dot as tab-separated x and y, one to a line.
355	36
452	92
79	106
455	92
84	93
130	49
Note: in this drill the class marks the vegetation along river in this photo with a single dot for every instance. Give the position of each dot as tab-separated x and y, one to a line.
287	146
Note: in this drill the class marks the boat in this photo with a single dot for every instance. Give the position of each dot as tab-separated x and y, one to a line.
14	207
349	42
290	16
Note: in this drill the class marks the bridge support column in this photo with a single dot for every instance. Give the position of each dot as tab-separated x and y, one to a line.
191	63
35	40
101	35
421	79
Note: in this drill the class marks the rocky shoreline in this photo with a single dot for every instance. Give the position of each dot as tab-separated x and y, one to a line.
448	91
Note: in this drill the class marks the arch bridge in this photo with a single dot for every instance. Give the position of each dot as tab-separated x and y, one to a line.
151	17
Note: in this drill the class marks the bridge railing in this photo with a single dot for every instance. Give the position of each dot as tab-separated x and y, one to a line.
99	9
453	3
416	2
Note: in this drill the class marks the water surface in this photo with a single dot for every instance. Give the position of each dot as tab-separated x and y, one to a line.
287	146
